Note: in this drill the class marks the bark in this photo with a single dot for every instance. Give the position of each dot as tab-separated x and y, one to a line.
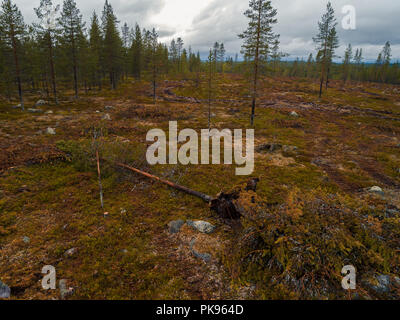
52	70
17	70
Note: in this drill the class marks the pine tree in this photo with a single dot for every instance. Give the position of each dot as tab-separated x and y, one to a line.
326	40
358	60
210	67
276	55
309	67
47	31
179	47
333	44
258	39
72	29
12	31
386	58
221	56
348	56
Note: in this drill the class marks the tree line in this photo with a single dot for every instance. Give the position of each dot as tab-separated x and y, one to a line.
61	51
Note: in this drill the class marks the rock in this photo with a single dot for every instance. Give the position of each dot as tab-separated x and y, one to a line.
294	114
33	110
289	148
109	107
51	131
380	284
377	190
175	226
97	111
70	252
40	103
213	115
64	290
5	291
206	257
269	147
201	226
26	239
49	112
19	106
106	117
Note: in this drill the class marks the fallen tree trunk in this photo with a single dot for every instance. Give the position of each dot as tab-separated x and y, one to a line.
226	205
197	194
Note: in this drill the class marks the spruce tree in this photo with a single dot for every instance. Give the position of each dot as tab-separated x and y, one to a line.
47	31
258	38
95	54
137	53
12	32
112	49
72	29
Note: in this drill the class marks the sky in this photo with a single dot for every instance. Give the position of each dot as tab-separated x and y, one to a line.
202	22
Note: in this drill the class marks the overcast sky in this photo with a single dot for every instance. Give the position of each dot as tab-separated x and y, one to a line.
202	22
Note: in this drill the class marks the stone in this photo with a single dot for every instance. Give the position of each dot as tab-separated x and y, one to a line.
201	226
380	284
206	257
40	103
33	110
19	106
175	226
49	112
106	117
269	147
294	114
64	290
51	131
377	190
70	252
5	291
109	107
289	148
26	239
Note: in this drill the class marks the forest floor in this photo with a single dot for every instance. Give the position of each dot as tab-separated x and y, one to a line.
338	146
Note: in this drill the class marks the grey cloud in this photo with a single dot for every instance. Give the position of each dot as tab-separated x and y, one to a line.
223	20
377	22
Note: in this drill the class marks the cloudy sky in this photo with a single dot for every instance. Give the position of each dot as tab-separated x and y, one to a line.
202	22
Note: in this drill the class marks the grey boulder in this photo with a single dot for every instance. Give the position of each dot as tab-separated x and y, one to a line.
175	226
201	226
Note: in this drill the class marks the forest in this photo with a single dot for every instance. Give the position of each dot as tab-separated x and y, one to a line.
60	52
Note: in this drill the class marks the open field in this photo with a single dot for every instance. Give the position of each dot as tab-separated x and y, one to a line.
315	172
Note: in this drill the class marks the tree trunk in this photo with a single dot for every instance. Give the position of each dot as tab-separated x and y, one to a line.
75	67
52	70
17	71
256	58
